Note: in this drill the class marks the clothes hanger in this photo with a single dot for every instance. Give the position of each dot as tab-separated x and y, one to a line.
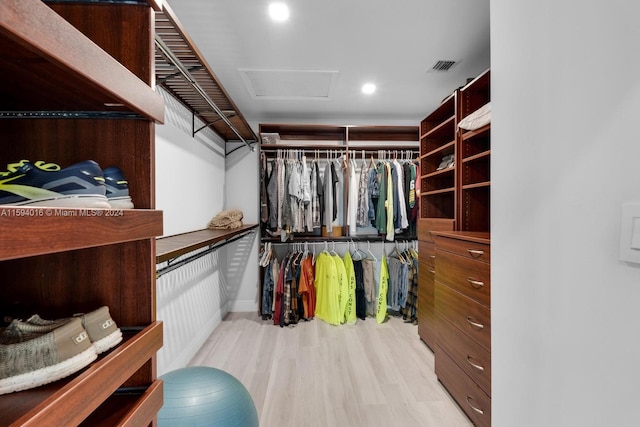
371	253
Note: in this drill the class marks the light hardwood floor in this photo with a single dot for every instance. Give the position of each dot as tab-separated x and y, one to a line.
315	374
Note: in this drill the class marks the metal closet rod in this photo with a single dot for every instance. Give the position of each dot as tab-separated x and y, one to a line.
182	69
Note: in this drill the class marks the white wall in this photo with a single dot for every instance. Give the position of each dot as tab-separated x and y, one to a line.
190	173
190	183
565	317
243	178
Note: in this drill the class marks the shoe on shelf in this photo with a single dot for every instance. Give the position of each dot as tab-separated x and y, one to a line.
45	184
103	331
117	188
31	360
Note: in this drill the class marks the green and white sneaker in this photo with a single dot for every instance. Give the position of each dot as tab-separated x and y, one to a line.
103	331
29	360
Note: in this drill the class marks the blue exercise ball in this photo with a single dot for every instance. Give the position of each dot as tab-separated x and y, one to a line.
203	396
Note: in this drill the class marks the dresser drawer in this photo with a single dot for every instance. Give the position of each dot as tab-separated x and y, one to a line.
465	248
466	353
467	315
473	401
427	253
465	275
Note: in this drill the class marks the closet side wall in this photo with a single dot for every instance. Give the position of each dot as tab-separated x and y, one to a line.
564	161
190	177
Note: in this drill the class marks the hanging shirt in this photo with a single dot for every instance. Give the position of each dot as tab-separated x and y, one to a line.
352	211
350	311
389	205
307	287
361	302
362	218
343	286
381	313
327	290
328	198
369	279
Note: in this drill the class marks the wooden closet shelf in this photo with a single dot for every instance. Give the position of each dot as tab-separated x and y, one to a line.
41	230
477	132
57	403
168	247
70	71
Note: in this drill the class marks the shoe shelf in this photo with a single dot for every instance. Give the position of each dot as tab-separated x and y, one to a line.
37	231
78	84
41	49
57	404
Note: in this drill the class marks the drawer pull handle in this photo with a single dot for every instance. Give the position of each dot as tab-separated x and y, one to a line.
432	256
475	365
475	252
474	323
475	283
431	271
478	410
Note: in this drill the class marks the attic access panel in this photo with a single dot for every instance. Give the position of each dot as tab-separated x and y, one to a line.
182	71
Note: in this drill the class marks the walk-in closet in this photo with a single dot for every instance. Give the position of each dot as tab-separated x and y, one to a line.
325	214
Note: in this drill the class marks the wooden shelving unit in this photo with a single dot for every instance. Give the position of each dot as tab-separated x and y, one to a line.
78	85
453	316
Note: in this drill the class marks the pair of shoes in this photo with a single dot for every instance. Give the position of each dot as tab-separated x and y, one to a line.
83	185
40	351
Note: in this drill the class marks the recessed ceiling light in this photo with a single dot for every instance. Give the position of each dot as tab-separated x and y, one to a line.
279	12
368	88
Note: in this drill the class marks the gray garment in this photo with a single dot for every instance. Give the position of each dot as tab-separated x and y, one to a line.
368	277
286	206
272	195
328	198
394	265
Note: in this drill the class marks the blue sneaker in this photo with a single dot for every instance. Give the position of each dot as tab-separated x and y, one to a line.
45	184
117	188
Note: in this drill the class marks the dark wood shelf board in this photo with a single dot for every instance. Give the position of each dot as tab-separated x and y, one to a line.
466	135
169	247
440	149
41	230
58	401
71	71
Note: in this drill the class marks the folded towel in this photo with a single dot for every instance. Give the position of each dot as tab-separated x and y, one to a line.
227	220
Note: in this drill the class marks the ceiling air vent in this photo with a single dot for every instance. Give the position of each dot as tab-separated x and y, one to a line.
442	65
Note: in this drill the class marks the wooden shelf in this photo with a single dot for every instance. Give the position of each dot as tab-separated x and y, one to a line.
172	34
474	133
78	85
58	401
40	230
71	72
169	247
480	156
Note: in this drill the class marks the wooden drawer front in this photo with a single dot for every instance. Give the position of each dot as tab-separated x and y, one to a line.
473	401
426	310
467	315
469	277
427	225
427	253
469	355
465	248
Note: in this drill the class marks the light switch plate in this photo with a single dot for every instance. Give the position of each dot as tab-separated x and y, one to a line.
630	233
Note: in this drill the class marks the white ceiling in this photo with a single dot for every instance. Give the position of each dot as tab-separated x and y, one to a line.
390	43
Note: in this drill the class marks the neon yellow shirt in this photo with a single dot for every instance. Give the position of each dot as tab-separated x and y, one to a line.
327	290
381	314
350	313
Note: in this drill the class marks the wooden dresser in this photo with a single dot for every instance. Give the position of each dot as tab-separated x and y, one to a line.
462	298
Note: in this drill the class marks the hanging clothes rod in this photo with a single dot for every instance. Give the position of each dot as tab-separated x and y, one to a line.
185	73
172	265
